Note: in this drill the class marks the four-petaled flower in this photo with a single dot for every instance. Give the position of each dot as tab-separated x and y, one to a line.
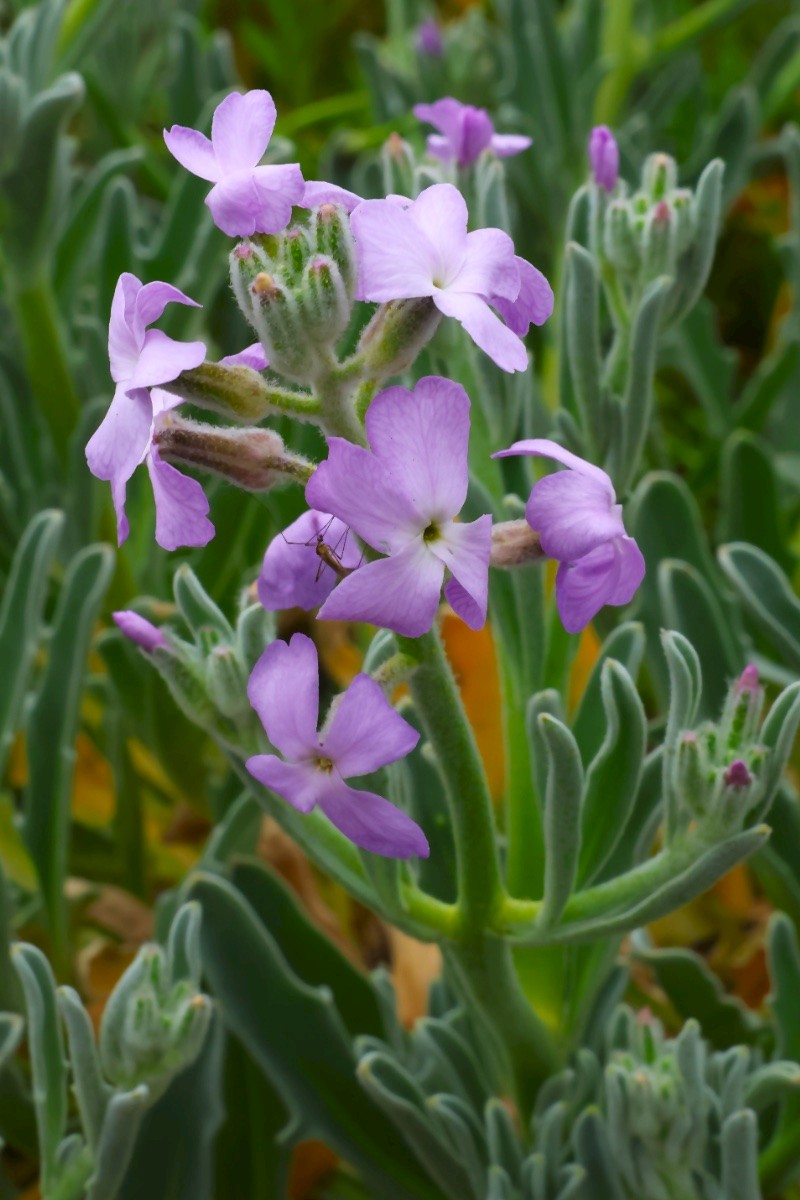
141	359
465	132
294	574
604	157
579	522
424	249
246	198
362	734
402	497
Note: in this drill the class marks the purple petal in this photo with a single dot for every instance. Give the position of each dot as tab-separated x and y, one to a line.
444	115
440	215
123	345
364	732
194	151
241	128
604	157
153	298
119	445
162	359
284	691
258	200
534	302
504	145
400	593
143	633
465	550
545	448
301	784
372	823
486	330
610	574
354	485
490	267
252	356
317	192
467	130
476	134
293	574
394	262
422	438
572	514
429	38
440	147
181	506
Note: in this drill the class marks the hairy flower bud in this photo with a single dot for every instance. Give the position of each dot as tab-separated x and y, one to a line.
334	239
247	260
658	242
139	630
620	243
227	682
253	459
323	299
399	166
659	175
396	335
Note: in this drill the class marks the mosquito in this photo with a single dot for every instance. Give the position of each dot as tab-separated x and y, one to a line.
330	556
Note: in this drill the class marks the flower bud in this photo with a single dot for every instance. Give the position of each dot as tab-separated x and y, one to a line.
514	544
334	239
397	160
620	243
692	773
277	320
238	392
141	632
253	459
604	157
428	39
323	299
396	335
247	261
683	212
659	175
227	684
294	253
658	242
742	712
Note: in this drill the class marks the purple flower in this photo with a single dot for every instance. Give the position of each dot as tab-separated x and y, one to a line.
604	157
317	192
139	630
465	132
423	249
579	523
252	356
293	574
362	733
141	359
246	198
402	497
429	38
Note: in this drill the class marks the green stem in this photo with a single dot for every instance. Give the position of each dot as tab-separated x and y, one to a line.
779	1162
437	700
46	359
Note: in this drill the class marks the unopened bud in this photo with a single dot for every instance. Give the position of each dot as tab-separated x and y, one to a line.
620	244
334	239
604	157
658	242
738	775
280	324
397	160
247	261
514	544
742	712
253	459
141	632
683	212
659	175
227	685
324	299
238	392
294	252
692	773
396	335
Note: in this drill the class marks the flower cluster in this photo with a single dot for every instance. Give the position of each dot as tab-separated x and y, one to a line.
383	534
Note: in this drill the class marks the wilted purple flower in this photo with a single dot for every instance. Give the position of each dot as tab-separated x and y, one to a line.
294	574
429	38
465	132
246	198
579	523
141	359
137	629
604	157
402	497
423	249
362	733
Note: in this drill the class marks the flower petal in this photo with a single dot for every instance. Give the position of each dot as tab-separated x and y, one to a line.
545	448
123	345
399	593
490	267
293	574
485	329
372	823
241	128
533	304
422	438
394	261
572	514
506	144
258	200
610	574
465	550
284	691
118	446
439	213
364	732
153	298
299	783
631	571
162	359
194	151
444	115
354	485
317	192
181	506
252	356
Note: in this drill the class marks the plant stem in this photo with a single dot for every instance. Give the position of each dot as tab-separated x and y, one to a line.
779	1162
